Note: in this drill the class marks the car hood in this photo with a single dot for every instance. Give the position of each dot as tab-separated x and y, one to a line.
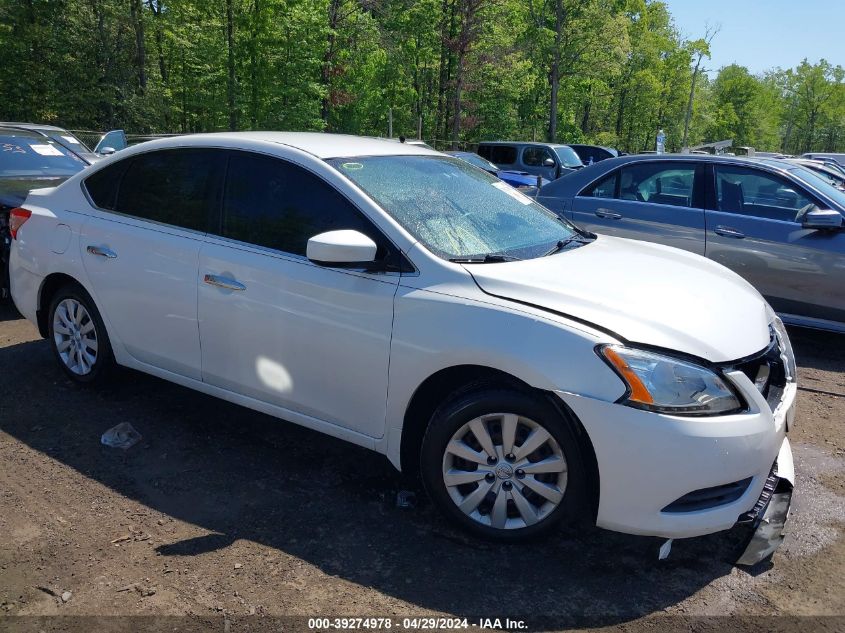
646	294
13	191
518	177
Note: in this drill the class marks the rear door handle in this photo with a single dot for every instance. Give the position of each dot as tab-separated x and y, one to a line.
610	215
223	282
102	251
726	231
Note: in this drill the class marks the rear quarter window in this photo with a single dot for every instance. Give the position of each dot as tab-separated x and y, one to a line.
102	185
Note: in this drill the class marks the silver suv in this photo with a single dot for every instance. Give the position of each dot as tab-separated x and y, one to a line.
549	160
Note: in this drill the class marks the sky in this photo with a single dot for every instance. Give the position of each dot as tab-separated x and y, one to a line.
764	34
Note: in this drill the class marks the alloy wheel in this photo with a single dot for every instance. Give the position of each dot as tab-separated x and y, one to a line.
504	471
75	336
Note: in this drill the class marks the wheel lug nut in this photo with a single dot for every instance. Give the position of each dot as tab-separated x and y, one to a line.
520	473
490	477
507	485
510	457
491	460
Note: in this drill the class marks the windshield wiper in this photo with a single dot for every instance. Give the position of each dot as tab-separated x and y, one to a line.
489	258
561	244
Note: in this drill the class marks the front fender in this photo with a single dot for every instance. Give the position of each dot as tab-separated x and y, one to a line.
433	331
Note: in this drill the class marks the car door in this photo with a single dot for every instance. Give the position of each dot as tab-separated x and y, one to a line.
140	245
534	159
655	201
754	228
111	142
279	328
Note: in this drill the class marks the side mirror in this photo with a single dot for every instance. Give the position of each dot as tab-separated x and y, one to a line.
341	249
822	219
549	162
106	151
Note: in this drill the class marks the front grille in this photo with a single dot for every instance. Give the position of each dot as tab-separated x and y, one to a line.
707	498
767	372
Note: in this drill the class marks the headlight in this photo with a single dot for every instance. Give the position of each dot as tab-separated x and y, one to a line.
669	385
785	347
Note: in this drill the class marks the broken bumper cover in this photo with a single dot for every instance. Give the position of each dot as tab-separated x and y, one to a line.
767	519
648	461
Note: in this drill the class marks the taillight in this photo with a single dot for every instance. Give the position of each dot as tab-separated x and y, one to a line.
17	217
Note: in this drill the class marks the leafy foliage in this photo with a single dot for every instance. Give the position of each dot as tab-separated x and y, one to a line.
458	71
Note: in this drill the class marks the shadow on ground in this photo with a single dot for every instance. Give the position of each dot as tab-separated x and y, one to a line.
242	475
8	312
817	349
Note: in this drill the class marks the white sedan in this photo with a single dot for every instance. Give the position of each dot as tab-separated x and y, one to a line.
403	300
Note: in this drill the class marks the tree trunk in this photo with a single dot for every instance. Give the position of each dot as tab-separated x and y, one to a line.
585	119
442	78
554	73
155	8
456	101
253	65
230	43
328	61
691	97
135	11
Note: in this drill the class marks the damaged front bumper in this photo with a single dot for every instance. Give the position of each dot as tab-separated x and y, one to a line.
766	521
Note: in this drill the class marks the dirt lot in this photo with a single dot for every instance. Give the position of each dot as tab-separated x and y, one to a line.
224	513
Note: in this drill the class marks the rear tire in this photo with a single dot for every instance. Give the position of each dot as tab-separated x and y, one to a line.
78	336
504	464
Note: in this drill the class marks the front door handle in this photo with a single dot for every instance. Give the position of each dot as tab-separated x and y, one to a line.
102	251
223	282
726	231
610	215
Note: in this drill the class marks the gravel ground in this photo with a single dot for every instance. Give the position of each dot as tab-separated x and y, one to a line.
222	514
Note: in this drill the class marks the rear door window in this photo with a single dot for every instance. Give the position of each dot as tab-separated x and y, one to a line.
658	183
172	186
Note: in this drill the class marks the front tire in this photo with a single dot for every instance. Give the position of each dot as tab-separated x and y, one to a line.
503	463
78	336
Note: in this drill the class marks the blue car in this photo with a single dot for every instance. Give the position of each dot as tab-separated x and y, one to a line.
518	179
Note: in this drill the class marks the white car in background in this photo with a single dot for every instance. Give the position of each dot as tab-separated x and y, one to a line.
408	302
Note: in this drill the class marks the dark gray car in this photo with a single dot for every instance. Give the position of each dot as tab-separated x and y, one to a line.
775	223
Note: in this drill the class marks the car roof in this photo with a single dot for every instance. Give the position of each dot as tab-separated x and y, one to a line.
31	126
521	143
320	144
574	182
5	128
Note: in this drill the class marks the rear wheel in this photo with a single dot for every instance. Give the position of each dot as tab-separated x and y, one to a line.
78	336
503	463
